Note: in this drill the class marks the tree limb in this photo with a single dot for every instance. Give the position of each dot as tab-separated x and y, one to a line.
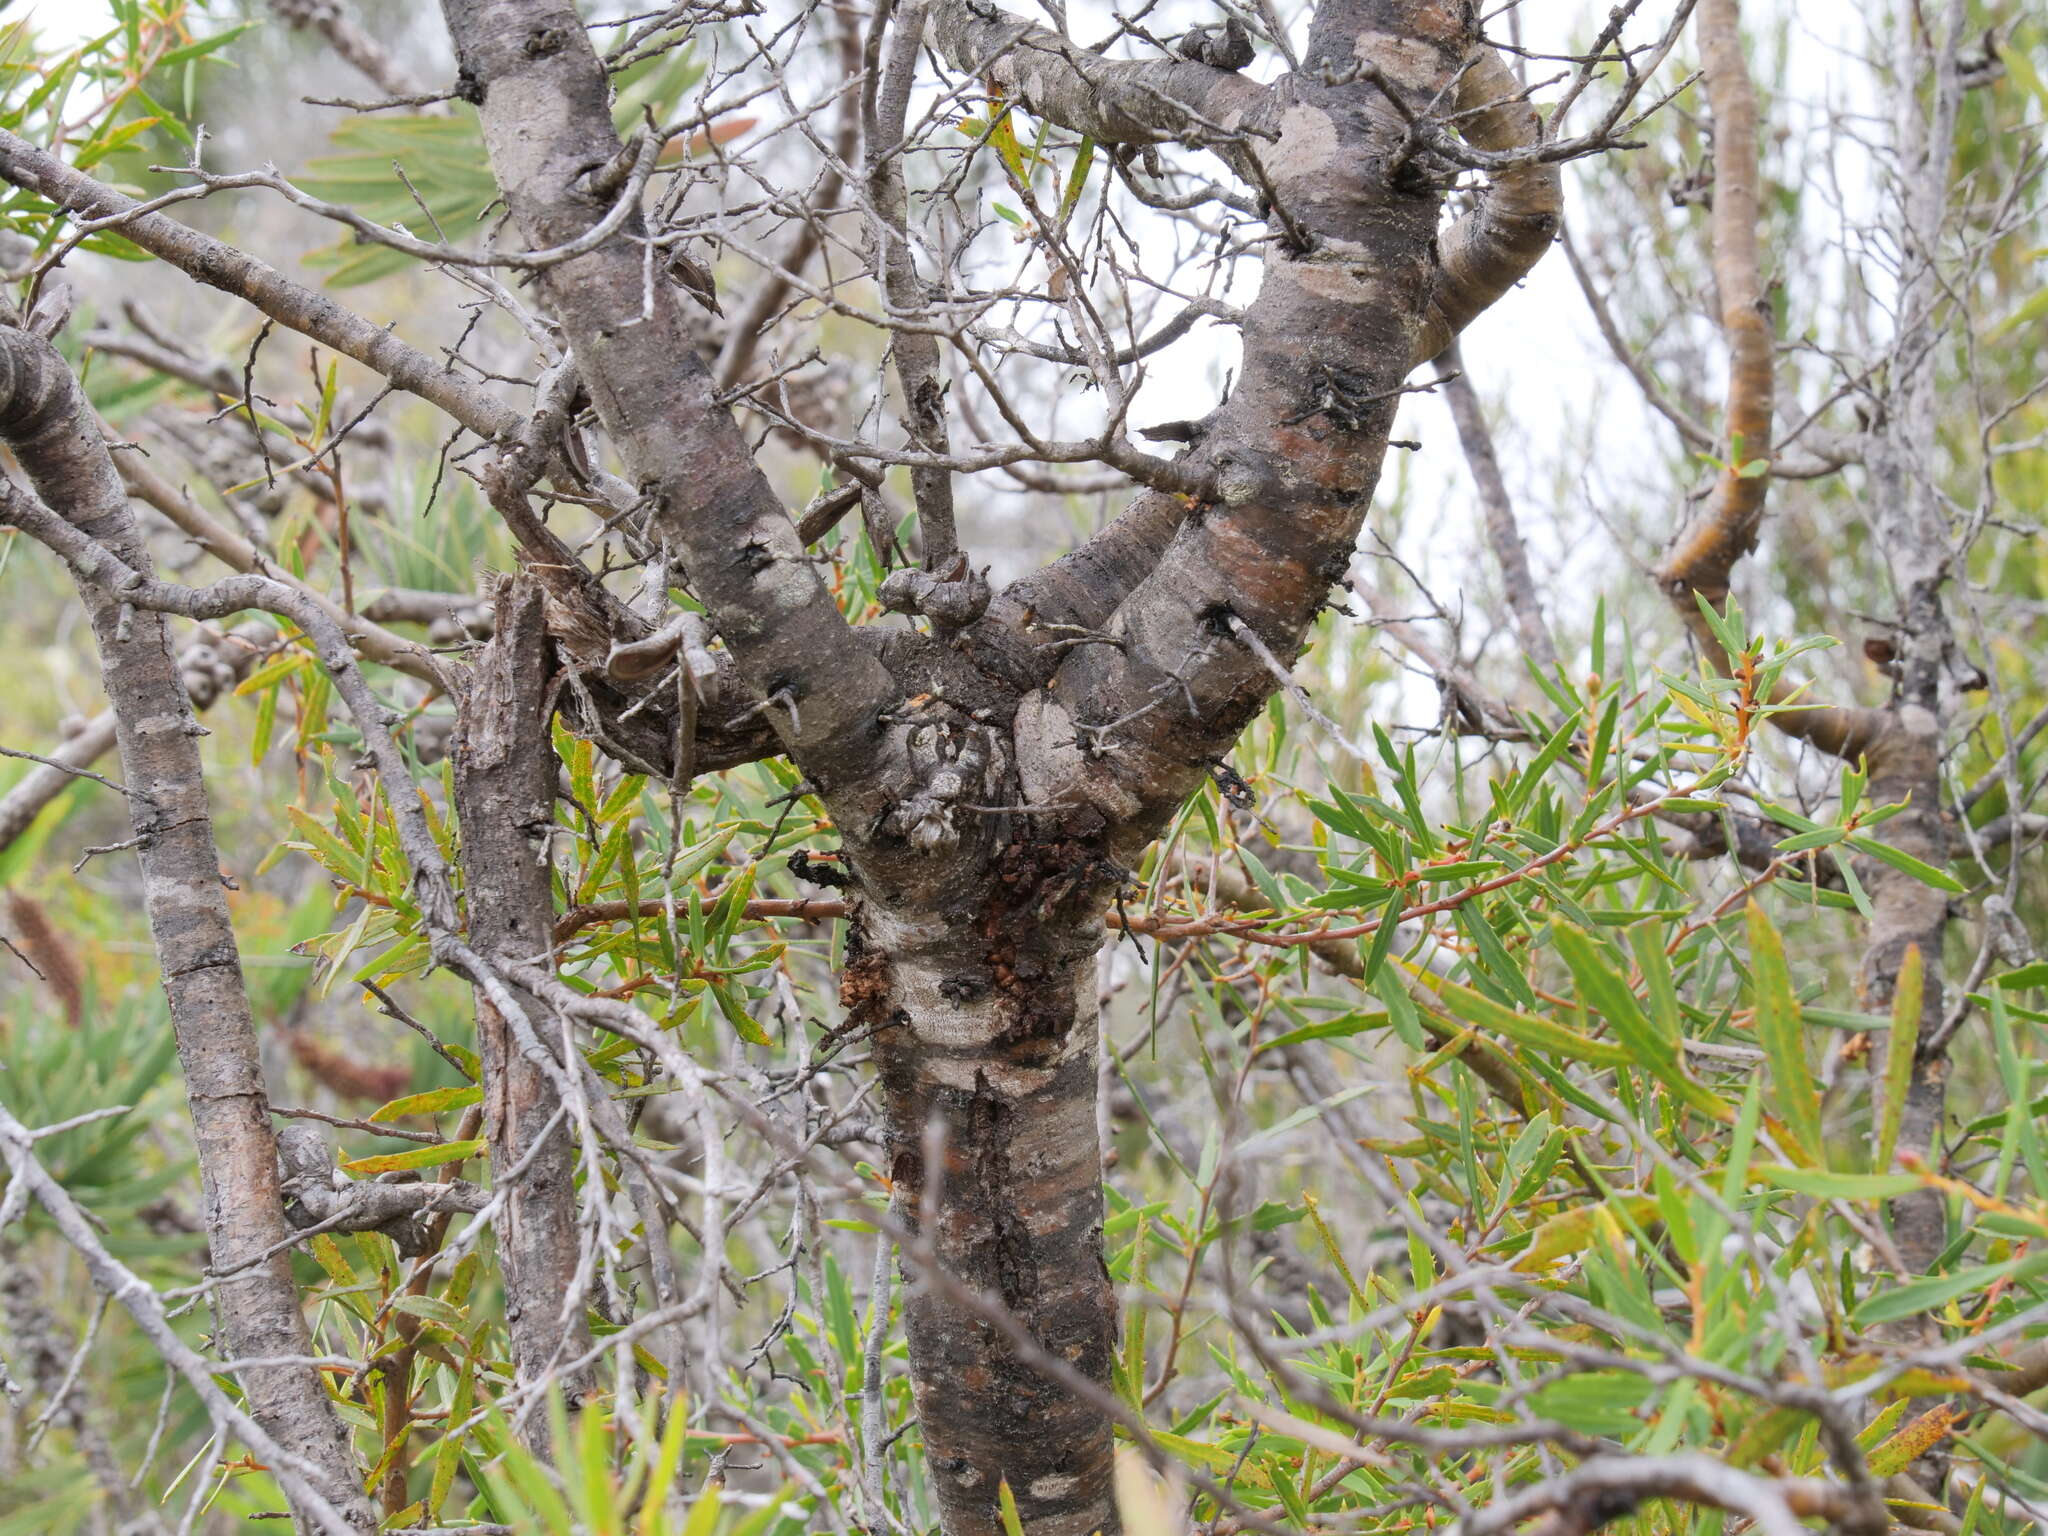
45	419
707	499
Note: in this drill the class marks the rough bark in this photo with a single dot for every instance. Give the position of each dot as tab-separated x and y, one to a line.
974	930
45	419
1912	528
504	799
986	1046
1116	734
544	100
1296	449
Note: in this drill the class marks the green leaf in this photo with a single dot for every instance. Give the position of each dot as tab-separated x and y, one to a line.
1918	1296
1823	1185
1905	863
1820	837
1382	940
431	1102
1595	1402
1329	1029
1077	178
1525	1029
448	1454
432	1308
1006	1507
1793	1091
1655	1051
419	1157
1902	1044
442	157
2033	975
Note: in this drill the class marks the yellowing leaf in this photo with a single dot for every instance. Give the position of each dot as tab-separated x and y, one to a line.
432	1102
1576	1229
419	1157
1914	1441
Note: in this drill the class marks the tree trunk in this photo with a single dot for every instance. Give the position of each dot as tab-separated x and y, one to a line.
1911	526
504	799
1905	765
985	1039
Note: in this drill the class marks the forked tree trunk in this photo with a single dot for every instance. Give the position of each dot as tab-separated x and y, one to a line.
975	928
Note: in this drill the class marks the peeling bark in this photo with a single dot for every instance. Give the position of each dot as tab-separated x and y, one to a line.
1093	697
504	799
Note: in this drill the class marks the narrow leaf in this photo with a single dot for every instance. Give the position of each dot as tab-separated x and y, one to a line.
1793	1092
1604	992
419	1157
1901	1045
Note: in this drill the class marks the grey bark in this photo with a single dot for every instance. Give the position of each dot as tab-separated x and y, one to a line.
973	935
973	932
1503	532
46	420
504	799
914	353
531	63
1911	527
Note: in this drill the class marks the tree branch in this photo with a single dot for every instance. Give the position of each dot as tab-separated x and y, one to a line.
1503	532
370	57
1150	101
708	500
320	1504
914	352
1492	247
219	265
46	420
